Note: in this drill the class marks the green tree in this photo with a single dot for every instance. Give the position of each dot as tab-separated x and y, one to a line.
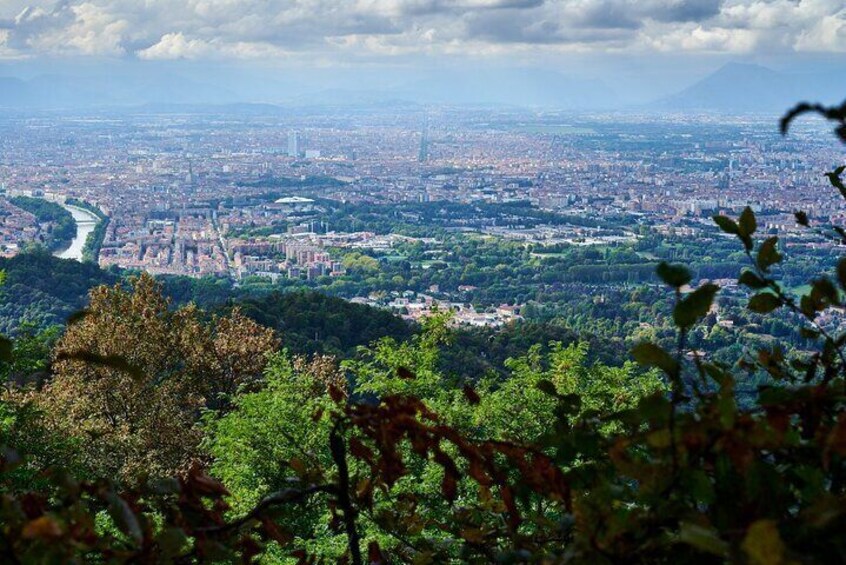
276	435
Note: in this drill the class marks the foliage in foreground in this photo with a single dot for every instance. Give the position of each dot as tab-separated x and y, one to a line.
562	462
130	375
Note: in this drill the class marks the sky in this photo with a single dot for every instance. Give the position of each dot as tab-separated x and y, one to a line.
661	43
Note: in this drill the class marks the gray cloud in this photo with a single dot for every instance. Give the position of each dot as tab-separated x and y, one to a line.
345	29
435	7
687	10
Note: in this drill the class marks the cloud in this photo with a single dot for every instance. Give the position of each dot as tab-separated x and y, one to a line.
687	10
829	35
695	38
350	29
177	46
5	51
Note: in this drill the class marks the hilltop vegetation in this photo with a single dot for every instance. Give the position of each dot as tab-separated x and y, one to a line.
44	290
41	290
316	323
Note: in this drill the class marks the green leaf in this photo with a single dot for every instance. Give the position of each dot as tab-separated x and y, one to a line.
750	279
547	387
836	181
675	276
695	305
124	517
824	294
212	551
801	218
172	541
78	316
116	362
703	538
698	484
747	224
764	302
6	349
727	224
720	375
655	409
727	410
651	355
841	273
763	544
809	333
768	255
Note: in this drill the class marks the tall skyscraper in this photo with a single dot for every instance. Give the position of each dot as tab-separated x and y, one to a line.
423	154
293	144
189	178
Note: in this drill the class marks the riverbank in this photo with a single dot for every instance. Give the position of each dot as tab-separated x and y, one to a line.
56	226
86	223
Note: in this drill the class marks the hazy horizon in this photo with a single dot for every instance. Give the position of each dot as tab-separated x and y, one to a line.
551	53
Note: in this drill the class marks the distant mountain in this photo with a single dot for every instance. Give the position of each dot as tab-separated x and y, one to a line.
749	88
61	92
233	109
350	97
500	87
509	87
733	88
13	91
513	87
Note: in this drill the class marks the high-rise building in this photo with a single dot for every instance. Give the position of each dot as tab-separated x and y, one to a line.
293	144
423	154
189	178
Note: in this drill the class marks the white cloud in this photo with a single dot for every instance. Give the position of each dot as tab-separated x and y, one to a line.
829	35
344	29
5	52
699	39
176	46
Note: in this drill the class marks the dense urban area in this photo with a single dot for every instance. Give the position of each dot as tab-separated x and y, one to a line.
383	206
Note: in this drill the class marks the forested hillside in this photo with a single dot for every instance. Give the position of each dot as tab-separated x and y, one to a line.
41	291
44	290
159	431
311	322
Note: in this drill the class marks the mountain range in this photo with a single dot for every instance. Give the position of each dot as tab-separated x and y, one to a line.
743	87
734	87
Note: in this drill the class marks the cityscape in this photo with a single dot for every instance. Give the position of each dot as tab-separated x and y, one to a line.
252	195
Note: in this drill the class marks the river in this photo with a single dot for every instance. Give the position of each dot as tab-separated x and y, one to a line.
86	221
